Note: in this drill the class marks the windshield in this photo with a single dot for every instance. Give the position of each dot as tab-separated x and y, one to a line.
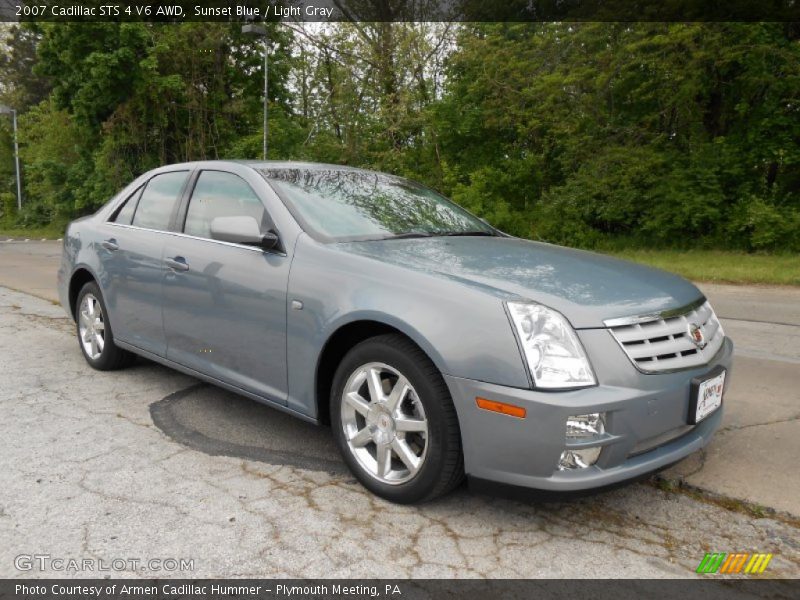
347	205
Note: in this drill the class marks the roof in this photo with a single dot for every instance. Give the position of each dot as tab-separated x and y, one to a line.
266	164
292	164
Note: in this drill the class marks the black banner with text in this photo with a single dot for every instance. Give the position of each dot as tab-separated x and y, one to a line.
400	10
270	589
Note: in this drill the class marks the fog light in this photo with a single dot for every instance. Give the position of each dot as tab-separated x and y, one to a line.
578	459
582	428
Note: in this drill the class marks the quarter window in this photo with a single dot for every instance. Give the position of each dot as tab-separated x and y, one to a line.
220	194
158	200
124	215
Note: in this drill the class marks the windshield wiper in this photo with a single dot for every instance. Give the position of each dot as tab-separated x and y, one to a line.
425	234
410	234
467	233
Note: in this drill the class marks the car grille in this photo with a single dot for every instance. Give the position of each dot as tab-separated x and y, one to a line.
658	343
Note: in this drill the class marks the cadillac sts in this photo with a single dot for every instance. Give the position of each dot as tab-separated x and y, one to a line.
435	346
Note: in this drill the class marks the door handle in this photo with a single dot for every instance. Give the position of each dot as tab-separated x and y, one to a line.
110	244
178	263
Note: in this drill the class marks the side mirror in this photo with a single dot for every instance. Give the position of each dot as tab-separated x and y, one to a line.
242	230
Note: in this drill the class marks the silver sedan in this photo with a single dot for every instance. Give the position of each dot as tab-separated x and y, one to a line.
433	344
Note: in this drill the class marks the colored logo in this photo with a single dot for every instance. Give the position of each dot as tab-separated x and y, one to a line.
741	562
697	336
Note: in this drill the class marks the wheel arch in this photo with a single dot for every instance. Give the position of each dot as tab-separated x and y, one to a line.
80	277
345	337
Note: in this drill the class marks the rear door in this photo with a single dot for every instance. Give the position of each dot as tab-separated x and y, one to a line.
131	255
224	303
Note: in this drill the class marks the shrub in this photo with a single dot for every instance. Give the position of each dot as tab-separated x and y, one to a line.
760	225
8	206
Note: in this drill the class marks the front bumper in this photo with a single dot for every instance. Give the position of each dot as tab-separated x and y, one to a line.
646	419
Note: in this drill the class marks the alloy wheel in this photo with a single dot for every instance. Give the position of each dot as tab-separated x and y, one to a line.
91	326
384	423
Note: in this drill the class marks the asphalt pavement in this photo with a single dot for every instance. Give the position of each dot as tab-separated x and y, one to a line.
150	463
753	456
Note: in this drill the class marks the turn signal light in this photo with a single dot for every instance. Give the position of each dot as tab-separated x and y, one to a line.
501	407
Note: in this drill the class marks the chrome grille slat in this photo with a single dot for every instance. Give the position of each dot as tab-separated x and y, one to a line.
664	344
712	325
671	364
670	346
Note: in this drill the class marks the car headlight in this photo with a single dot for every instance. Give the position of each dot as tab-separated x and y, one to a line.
552	349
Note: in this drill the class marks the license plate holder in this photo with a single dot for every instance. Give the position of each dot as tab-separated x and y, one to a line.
706	395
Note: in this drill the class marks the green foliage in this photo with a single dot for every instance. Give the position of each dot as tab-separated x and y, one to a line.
675	135
127	97
50	142
8	204
483	195
35	215
599	135
765	225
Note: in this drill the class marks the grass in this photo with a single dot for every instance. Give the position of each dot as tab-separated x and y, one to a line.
49	232
752	509
720	266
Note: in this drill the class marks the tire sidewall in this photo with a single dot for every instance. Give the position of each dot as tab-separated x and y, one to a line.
426	480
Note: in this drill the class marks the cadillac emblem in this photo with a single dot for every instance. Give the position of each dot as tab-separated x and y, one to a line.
697	336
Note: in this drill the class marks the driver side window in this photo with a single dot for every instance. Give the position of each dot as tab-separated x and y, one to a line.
220	194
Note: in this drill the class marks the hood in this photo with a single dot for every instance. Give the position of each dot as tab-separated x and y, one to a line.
585	287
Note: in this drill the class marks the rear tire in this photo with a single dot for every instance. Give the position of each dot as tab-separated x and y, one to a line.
394	421
95	336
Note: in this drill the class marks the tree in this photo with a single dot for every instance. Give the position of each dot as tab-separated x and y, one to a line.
590	134
365	89
650	133
145	94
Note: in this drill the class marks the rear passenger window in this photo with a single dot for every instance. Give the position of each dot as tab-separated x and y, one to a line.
124	214
220	194
158	200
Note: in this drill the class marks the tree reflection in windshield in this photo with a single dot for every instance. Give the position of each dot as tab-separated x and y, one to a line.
348	204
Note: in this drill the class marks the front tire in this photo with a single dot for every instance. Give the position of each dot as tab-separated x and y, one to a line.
95	337
394	421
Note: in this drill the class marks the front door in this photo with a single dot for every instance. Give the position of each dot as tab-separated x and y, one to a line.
224	304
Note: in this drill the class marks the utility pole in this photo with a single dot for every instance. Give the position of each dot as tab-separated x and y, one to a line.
260	31
5	110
